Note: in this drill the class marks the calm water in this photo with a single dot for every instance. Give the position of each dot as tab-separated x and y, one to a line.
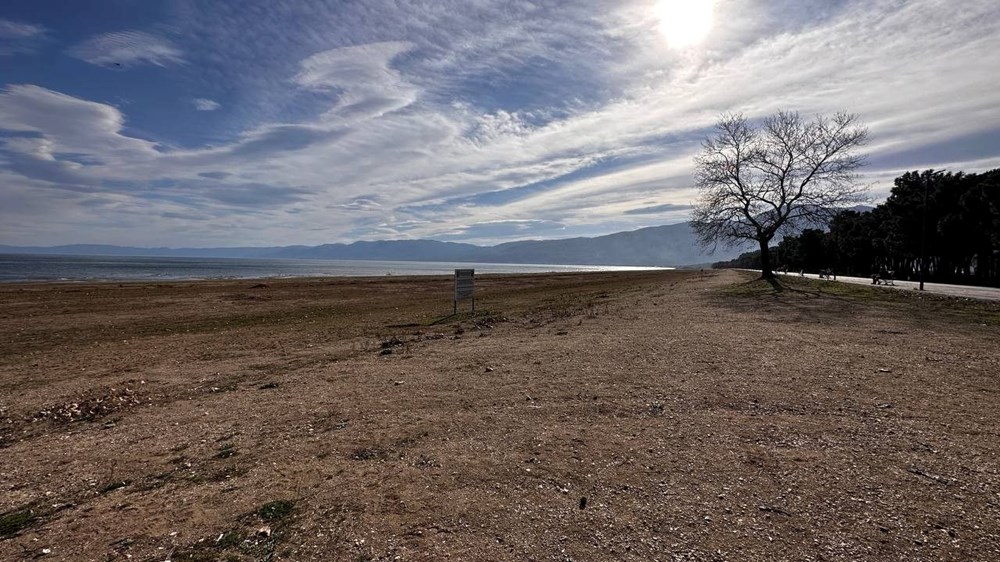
24	267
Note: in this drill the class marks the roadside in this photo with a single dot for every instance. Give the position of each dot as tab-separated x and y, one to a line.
962	291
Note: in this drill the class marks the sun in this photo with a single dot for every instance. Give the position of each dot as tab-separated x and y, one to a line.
684	22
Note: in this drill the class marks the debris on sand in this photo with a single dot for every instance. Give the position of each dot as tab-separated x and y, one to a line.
773	509
912	469
392	342
369	454
90	409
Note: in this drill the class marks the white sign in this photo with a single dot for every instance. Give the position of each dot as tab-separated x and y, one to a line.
464	283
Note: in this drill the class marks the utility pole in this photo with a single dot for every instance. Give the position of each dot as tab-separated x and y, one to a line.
923	230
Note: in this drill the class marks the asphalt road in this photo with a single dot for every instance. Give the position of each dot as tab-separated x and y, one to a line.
986	293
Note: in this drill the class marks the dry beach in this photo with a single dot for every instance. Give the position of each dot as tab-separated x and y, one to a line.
669	415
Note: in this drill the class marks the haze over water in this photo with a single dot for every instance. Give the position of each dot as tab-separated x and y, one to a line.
16	268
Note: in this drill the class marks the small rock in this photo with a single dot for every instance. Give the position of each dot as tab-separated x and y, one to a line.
489	369
392	342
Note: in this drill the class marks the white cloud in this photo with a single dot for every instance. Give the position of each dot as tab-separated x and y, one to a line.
127	49
203	104
16	30
19	37
361	77
68	143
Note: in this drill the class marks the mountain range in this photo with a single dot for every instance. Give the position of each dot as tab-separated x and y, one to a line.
672	245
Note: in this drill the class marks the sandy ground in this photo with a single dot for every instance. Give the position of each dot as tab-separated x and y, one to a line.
626	416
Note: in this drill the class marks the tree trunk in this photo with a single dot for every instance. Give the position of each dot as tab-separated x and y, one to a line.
765	260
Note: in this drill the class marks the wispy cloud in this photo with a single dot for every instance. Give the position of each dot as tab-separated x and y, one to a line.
20	38
359	76
503	229
658	209
203	104
126	49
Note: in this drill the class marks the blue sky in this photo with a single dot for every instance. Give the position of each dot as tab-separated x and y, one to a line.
237	123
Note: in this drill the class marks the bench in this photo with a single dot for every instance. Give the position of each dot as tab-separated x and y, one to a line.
884	278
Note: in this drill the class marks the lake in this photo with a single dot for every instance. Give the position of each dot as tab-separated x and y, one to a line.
35	267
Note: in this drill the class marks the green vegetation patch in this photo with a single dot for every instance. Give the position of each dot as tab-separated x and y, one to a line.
229	539
225	451
479	316
15	521
790	293
249	541
276	510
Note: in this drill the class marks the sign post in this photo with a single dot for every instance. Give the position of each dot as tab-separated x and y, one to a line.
465	287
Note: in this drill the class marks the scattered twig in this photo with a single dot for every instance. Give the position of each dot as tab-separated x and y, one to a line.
912	469
773	509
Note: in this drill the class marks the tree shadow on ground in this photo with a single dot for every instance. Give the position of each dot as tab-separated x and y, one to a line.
801	300
791	302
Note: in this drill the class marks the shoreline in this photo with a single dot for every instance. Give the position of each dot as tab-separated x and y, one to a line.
24	268
313	278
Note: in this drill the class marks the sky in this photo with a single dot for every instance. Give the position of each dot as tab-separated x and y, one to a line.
278	122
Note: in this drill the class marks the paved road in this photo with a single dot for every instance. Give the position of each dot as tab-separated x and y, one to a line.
986	293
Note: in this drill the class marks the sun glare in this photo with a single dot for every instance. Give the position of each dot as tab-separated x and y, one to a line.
684	22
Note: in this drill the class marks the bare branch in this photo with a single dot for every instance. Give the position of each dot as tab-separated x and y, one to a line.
786	172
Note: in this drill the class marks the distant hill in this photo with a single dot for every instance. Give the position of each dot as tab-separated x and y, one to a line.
669	245
390	250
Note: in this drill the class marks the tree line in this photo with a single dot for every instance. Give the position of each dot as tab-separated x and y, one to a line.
951	219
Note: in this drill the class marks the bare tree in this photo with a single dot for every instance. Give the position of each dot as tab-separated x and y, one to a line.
755	181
